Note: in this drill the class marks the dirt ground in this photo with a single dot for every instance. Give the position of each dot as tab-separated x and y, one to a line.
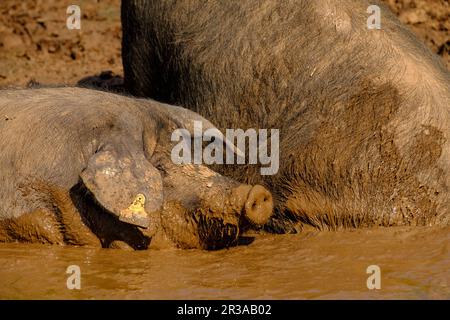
35	43
36	46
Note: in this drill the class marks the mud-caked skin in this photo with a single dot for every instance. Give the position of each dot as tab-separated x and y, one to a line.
84	167
364	114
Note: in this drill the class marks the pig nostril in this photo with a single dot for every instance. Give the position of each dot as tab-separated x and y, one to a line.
259	205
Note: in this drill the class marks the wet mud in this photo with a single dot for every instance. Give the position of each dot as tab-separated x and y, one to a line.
414	264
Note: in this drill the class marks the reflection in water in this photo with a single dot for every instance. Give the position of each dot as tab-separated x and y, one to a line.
415	263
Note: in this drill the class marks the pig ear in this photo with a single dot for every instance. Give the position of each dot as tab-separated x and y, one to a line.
187	119
125	184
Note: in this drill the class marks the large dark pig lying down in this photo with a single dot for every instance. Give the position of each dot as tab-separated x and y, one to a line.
364	114
84	167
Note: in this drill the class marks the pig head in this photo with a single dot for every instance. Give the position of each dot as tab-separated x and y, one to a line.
89	168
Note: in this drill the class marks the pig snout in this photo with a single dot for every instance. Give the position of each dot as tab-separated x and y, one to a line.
257	203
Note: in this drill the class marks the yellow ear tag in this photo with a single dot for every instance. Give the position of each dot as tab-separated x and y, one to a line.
135	213
138	204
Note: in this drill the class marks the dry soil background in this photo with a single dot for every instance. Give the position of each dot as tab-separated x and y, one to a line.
35	44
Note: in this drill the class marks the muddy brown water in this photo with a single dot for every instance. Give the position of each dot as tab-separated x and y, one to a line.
414	263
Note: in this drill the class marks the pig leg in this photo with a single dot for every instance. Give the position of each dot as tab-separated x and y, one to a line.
39	226
58	222
73	228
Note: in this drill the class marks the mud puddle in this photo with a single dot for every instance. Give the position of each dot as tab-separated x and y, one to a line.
414	264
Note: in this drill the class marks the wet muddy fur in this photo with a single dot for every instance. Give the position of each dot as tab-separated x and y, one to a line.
364	115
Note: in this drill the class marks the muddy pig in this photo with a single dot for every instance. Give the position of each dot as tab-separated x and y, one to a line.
84	167
363	112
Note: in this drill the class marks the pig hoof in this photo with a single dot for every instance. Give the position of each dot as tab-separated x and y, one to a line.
259	205
135	214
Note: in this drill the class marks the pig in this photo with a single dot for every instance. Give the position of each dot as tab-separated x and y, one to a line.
91	168
363	111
